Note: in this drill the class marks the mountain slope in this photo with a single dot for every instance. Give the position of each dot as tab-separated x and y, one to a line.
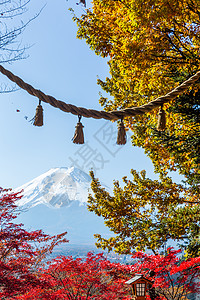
56	201
56	188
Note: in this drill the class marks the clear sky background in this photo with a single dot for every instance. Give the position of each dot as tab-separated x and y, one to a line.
62	66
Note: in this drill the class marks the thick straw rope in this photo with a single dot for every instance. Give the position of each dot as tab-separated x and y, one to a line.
91	113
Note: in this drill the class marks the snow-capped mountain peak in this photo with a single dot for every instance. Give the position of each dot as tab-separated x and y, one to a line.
56	188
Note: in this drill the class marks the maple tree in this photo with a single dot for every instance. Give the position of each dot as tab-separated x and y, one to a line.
21	251
91	278
151	47
94	277
173	278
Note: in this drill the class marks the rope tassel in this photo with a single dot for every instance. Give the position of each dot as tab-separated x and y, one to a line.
38	119
78	135
121	136
161	120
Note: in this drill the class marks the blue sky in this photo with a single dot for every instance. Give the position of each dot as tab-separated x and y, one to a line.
62	66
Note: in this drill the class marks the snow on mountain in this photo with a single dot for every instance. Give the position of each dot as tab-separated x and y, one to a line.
56	202
56	188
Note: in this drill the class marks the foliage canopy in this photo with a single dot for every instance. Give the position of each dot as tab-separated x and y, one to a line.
146	213
151	46
21	251
95	277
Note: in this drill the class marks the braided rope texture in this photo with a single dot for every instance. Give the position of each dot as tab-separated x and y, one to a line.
92	113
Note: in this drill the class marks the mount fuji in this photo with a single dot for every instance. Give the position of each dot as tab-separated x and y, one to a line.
56	201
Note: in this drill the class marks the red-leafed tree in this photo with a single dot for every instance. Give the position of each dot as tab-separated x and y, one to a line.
23	277
91	278
173	278
21	252
96	278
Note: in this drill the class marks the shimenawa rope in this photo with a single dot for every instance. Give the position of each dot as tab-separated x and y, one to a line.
92	113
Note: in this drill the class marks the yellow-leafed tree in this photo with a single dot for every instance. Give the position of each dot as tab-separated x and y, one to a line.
151	47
